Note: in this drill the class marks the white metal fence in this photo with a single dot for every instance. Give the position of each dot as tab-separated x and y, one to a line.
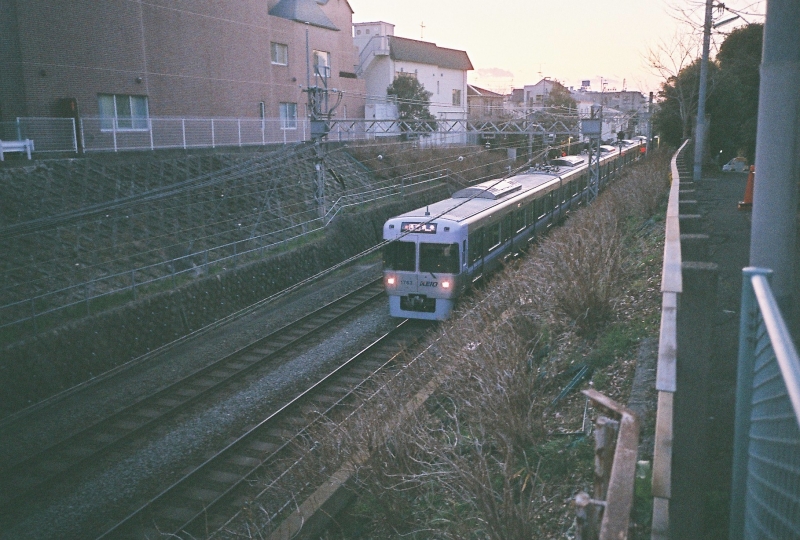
103	134
96	134
47	134
765	491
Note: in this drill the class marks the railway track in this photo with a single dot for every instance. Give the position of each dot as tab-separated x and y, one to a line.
205	499
22	481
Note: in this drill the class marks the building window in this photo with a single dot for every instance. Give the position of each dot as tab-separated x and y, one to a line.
457	97
289	115
280	54
322	63
402	73
123	112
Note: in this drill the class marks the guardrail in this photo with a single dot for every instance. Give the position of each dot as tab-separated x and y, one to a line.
671	288
201	262
765	489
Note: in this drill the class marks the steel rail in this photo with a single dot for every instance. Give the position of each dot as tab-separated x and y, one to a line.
67	453
131	525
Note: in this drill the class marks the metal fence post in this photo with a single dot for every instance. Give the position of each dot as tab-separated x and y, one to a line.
744	394
83	140
212	134
114	132
74	136
33	314
183	131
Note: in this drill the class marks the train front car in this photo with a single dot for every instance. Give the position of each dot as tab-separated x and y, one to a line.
422	265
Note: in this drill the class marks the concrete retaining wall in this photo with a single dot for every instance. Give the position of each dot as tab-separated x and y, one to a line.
62	358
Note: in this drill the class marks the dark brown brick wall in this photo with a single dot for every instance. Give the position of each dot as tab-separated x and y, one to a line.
198	58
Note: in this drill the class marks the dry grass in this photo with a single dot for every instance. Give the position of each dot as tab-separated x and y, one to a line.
490	455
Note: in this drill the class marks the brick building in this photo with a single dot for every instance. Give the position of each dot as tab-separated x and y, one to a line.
134	59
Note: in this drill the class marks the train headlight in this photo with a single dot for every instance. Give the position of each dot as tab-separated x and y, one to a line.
390	280
445	284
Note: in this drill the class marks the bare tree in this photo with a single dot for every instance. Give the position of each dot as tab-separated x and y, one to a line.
671	60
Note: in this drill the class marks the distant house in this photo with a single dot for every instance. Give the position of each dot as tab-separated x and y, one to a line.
484	105
621	110
625	100
126	61
535	95
384	56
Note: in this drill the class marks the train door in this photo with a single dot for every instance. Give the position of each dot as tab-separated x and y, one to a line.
476	253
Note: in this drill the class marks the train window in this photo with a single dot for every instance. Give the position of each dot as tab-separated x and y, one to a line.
401	256
492	237
438	258
519	220
464	252
530	210
475	246
505	229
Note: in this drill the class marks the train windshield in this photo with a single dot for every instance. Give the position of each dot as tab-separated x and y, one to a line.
400	256
438	258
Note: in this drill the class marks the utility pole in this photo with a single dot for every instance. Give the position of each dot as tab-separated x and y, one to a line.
700	126
773	231
320	114
592	127
649	145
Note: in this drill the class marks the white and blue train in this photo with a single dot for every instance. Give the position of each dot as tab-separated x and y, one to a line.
437	251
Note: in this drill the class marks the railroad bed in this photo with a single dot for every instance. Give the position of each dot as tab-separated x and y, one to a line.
81	479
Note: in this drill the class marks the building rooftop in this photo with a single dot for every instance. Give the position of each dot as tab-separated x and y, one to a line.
473	90
424	52
302	11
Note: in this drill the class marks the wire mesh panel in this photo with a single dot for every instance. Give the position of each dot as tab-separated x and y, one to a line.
765	501
773	479
47	134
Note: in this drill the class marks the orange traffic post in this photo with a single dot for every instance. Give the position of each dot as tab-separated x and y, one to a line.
747	203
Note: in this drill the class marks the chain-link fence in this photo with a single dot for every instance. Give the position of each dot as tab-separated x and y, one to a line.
765	497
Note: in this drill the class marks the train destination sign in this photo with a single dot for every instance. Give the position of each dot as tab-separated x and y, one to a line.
412	227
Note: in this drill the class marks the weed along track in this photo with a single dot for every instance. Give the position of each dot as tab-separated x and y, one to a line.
207	497
61	465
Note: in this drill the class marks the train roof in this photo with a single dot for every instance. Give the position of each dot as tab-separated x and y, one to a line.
473	200
481	197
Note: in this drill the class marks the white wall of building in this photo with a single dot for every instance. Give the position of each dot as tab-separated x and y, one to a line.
441	83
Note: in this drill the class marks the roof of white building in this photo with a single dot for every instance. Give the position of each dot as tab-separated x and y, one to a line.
423	52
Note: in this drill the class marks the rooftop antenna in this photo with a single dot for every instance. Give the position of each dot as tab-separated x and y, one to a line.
421	29
427	211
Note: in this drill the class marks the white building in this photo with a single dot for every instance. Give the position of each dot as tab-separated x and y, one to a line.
535	95
384	57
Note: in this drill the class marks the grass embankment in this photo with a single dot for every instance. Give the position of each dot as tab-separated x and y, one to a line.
496	453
